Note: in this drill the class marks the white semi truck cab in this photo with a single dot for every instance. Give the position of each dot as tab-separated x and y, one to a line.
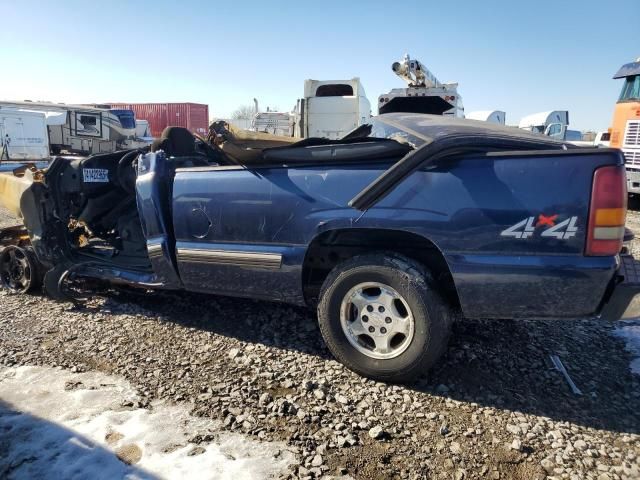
331	108
491	116
554	124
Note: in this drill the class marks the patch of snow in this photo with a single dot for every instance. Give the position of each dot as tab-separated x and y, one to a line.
68	425
629	330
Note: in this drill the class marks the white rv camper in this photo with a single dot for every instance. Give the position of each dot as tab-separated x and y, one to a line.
23	135
424	92
84	129
491	116
331	108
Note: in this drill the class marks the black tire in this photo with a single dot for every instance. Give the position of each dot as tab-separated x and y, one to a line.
432	315
31	277
52	283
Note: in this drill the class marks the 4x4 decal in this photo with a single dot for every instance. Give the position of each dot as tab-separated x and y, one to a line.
526	228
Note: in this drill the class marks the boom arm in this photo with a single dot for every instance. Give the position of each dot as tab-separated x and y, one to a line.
415	73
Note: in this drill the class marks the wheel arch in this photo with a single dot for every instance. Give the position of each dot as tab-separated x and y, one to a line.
332	247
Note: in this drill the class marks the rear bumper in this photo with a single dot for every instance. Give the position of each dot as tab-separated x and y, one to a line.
624	301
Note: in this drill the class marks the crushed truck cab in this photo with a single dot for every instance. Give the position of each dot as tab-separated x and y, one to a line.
390	232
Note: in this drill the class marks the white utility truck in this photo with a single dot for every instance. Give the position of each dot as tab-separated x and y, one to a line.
491	116
424	92
23	135
276	123
331	108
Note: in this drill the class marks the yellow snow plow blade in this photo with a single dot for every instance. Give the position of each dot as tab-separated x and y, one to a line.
11	190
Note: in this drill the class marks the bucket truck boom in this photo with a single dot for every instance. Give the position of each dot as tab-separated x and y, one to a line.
424	92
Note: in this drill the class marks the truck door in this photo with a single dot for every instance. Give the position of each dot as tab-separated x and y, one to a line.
153	197
229	225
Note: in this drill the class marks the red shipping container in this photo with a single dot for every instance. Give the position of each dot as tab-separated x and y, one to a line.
194	116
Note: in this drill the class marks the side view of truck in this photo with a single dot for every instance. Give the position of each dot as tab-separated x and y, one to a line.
391	232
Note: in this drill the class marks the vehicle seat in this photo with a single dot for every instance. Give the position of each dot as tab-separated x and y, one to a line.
176	142
180	143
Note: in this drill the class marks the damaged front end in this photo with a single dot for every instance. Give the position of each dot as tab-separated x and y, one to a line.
82	221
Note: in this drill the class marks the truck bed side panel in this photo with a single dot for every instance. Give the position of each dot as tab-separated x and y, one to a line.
464	207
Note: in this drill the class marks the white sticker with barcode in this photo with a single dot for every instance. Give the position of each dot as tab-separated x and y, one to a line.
95	175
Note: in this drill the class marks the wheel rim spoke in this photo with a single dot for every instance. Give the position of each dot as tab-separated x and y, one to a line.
357	328
400	326
387	298
383	344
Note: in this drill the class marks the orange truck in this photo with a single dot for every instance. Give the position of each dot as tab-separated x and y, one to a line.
625	128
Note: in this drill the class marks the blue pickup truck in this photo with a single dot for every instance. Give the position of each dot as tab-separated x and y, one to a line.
390	232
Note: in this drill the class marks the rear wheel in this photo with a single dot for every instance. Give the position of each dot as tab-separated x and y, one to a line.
19	271
380	316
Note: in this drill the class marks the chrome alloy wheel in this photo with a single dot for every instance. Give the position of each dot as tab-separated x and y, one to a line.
16	270
377	320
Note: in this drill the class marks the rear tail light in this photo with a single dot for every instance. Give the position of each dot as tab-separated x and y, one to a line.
607	212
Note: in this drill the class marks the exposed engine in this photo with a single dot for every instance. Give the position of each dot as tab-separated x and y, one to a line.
95	199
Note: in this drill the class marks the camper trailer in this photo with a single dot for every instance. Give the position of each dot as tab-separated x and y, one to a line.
84	129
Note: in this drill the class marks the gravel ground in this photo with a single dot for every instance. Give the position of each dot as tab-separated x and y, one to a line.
494	407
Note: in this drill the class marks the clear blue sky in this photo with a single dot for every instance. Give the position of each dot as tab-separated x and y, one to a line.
518	56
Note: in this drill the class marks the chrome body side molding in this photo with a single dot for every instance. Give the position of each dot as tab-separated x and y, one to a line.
269	261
